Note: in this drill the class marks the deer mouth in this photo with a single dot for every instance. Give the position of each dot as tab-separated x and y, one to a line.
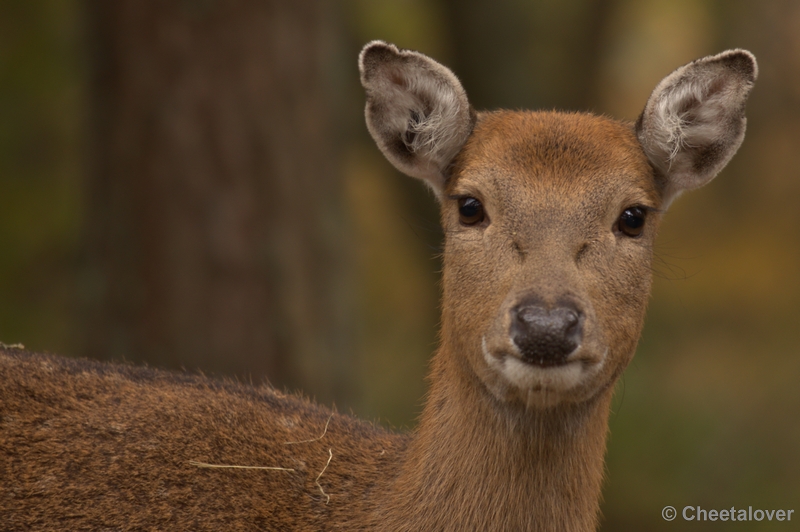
541	383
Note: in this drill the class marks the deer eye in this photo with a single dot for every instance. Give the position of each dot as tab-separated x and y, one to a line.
631	221
470	211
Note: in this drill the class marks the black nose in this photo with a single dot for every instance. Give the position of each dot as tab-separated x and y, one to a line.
546	335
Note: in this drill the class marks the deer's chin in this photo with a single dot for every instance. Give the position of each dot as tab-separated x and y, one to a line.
510	378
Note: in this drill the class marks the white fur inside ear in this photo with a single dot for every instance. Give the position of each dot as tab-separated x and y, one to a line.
694	121
672	121
417	112
687	116
424	110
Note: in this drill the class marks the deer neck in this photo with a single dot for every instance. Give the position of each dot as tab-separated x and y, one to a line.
496	466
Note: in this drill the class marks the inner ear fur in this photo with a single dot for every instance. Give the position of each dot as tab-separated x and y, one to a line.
694	120
417	111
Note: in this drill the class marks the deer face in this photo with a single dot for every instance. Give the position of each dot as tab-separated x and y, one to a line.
550	217
549	221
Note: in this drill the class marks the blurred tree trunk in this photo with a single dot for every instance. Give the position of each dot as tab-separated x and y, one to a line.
522	54
215	238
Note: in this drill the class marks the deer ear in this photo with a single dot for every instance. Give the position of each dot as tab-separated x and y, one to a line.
417	111
694	121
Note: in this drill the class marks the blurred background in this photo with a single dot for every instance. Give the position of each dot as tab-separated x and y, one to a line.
189	184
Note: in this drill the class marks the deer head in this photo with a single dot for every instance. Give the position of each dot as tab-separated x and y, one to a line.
549	218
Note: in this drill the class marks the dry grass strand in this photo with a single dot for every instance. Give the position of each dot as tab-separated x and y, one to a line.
325	431
330	457
227	466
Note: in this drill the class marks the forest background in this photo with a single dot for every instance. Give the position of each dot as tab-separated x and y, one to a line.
189	184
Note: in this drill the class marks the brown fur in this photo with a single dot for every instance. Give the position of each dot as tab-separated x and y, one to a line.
90	446
502	444
520	467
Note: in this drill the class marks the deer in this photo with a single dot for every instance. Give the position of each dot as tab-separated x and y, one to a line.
549	221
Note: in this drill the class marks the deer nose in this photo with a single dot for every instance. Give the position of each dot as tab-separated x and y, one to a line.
545	335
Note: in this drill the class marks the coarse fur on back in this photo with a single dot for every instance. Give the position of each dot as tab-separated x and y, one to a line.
92	446
549	221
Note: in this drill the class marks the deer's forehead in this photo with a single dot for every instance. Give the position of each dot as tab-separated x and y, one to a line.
557	157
